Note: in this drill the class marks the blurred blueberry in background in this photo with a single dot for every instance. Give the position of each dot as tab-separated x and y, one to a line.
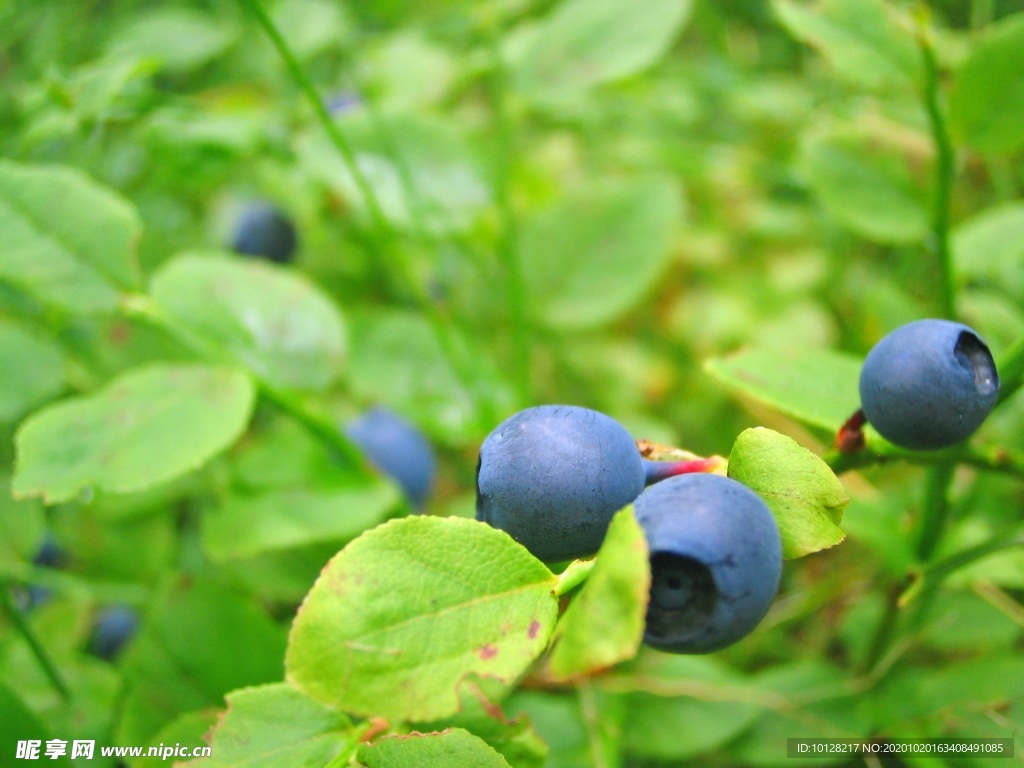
398	449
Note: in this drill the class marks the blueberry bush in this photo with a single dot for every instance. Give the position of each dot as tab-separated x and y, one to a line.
276	277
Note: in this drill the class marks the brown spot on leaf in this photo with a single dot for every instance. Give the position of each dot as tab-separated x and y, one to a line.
533	630
488	652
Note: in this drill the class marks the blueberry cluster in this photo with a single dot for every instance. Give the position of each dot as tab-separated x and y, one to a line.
554	475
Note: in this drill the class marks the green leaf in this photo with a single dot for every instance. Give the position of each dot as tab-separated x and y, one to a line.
604	623
67	240
819	387
686	711
406	611
946	692
250	524
199	641
989	246
189	730
832	712
516	739
274	725
22	526
866	183
612	240
179	39
566	723
397	360
452	748
448	192
19	723
986	104
145	427
805	497
864	40
268	318
33	370
583	43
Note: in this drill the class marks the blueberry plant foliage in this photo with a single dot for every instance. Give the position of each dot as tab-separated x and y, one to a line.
697	218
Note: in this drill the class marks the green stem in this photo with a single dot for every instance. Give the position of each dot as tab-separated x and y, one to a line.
988	458
930	576
334	132
885	630
515	285
935	512
18	619
464	369
945	171
1011	370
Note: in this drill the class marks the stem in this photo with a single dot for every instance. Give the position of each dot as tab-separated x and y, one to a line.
930	576
990	458
334	132
515	285
935	513
464	369
141	307
884	631
1011	370
944	171
18	619
656	471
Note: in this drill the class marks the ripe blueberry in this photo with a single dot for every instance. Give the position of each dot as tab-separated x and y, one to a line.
114	627
553	476
398	449
928	384
716	560
263	230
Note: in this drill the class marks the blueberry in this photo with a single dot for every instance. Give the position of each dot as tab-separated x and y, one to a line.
398	449
114	627
716	560
928	384
263	230
552	477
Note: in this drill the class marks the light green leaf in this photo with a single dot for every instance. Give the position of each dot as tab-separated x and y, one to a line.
516	739
22	526
397	360
612	240
867	185
250	524
189	730
832	712
199	641
274	725
583	43
33	370
686	711
66	239
406	611
819	387
268	318
986	104
179	39
990	246
452	748
864	40
805	497
145	427
443	190
604	623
